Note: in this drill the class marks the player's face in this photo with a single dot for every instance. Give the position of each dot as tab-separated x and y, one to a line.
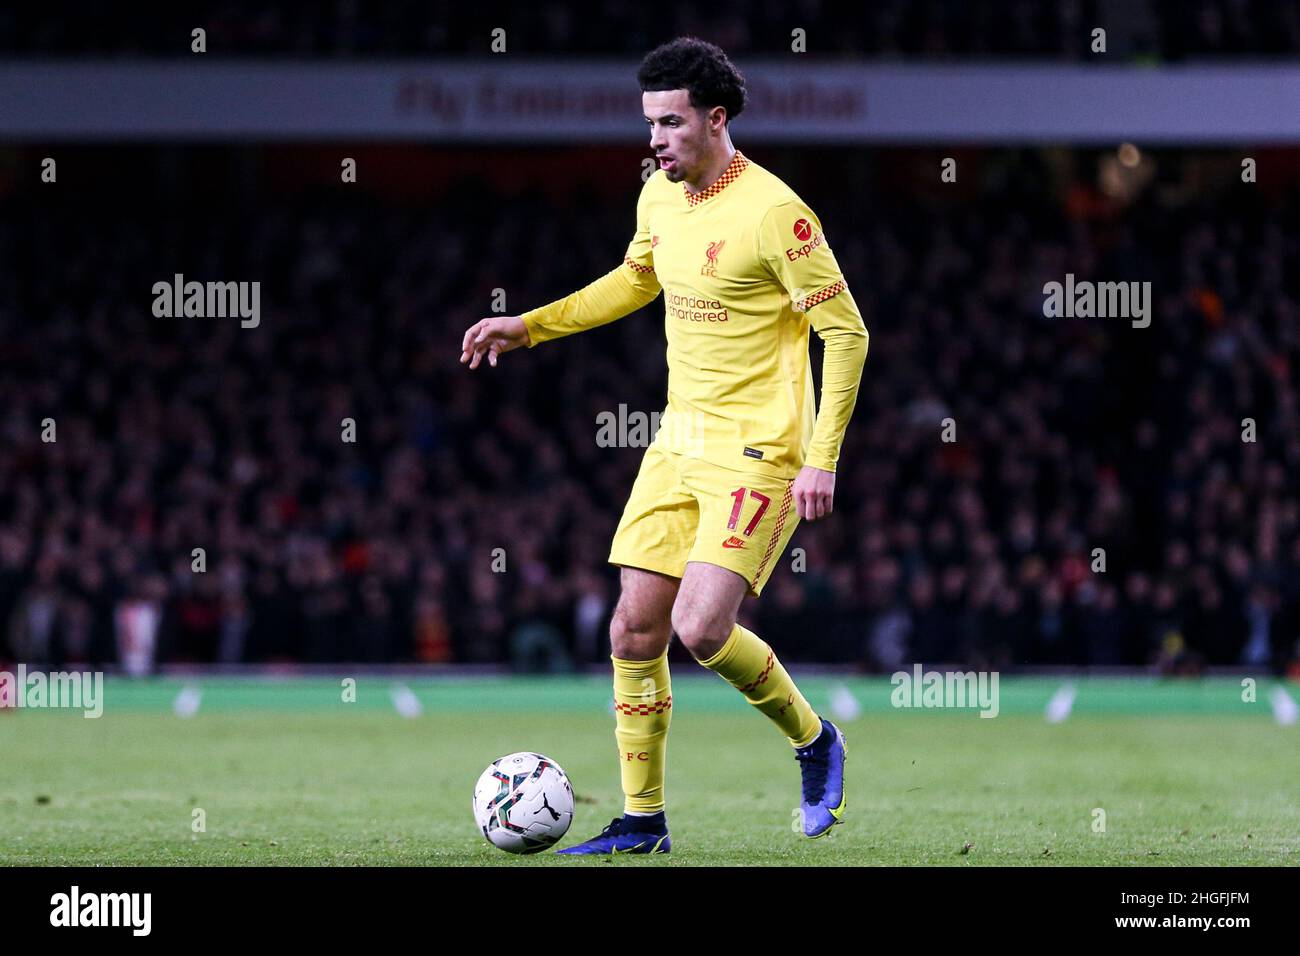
679	133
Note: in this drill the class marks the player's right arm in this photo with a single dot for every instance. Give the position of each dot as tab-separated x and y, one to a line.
617	293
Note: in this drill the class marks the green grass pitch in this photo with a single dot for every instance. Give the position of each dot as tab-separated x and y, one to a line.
286	773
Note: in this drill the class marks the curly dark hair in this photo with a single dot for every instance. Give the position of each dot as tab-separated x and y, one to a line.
698	67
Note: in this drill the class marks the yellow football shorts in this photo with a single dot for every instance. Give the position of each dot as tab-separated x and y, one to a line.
683	509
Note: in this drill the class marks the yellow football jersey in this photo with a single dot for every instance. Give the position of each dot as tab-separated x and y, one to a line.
745	270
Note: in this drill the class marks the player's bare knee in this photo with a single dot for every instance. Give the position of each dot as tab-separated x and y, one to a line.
702	634
636	636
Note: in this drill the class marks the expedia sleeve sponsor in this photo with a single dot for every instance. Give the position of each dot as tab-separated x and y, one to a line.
795	250
794	253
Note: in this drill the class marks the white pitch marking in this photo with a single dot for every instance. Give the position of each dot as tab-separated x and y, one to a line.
405	702
844	706
1062	702
1285	710
187	701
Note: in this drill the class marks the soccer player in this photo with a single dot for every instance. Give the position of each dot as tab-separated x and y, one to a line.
740	457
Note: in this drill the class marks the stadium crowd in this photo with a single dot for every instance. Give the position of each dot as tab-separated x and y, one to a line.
470	519
1166	30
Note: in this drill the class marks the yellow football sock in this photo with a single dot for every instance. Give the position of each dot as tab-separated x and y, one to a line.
752	668
643	702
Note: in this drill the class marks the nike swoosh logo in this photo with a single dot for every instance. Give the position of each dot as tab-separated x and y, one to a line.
615	851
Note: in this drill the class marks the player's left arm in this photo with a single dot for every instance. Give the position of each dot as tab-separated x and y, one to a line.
807	269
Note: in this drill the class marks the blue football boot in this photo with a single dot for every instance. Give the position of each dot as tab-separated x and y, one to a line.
627	835
822	766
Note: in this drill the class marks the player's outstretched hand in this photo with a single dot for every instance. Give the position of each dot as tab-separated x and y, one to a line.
492	337
814	493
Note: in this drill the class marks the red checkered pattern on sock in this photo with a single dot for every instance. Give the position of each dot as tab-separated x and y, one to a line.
761	678
644	710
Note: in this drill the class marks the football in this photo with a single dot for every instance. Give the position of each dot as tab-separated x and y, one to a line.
523	803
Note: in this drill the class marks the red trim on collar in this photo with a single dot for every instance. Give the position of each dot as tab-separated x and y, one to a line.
734	168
